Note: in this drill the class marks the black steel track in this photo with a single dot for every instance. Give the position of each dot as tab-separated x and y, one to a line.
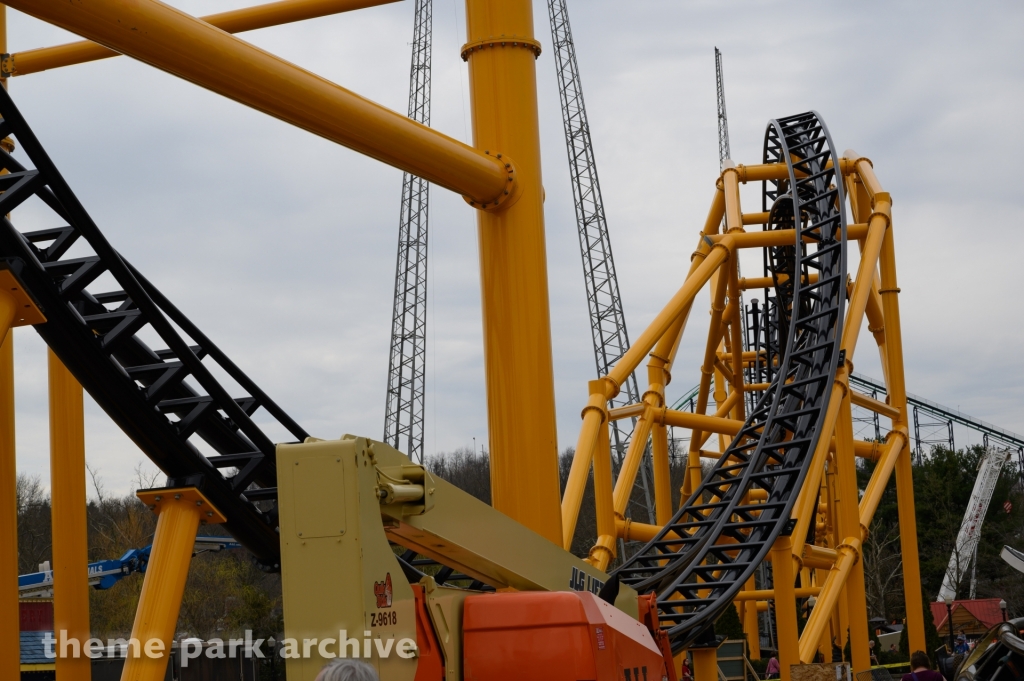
166	400
714	543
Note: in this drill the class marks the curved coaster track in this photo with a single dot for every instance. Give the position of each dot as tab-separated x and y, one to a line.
711	547
167	400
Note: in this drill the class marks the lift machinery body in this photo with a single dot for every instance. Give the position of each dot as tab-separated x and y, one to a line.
346	507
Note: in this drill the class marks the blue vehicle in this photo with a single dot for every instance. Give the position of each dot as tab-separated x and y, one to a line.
106	573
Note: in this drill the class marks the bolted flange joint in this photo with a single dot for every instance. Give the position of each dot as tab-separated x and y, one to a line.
511	193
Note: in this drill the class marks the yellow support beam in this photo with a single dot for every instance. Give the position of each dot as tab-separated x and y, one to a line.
9	619
513	268
179	513
235	21
68	507
180	44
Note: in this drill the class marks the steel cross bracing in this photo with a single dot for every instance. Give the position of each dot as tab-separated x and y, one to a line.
774	449
607	320
403	416
167	400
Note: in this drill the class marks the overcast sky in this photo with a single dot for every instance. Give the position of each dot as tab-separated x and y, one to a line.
281	245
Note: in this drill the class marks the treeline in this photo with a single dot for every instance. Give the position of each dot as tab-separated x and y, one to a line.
226	593
943	482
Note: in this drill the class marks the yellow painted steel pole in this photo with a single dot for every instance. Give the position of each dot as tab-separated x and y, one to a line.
9	619
10	650
904	470
693	470
604	550
680	303
235	21
849	526
501	51
185	46
705	664
595	417
785	605
749	619
179	514
827	599
68	504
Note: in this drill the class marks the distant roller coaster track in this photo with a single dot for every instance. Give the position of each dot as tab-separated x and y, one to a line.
693	573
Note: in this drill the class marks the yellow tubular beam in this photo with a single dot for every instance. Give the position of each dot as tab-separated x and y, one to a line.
785	605
827	599
604	551
662	474
712	424
631	463
803	510
657	328
749	619
871	404
235	21
190	48
848	522
705	664
898	399
769	594
9	619
693	469
594	416
780	237
878	227
880	478
70	548
179	512
736	340
513	271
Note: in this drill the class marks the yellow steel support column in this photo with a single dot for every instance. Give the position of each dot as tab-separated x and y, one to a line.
849	524
70	543
749	619
603	551
904	471
9	621
179	513
705	664
513	268
785	605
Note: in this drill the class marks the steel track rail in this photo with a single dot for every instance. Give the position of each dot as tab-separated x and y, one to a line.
714	543
168	401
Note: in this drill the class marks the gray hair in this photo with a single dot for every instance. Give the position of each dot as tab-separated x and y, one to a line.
347	670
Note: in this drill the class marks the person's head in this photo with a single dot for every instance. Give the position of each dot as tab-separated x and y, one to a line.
871	644
919	660
347	670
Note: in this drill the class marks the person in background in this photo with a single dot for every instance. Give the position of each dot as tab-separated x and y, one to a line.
892	648
871	651
772	672
347	670
921	669
684	672
961	644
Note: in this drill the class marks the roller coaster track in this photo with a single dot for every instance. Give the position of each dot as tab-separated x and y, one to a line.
702	557
166	400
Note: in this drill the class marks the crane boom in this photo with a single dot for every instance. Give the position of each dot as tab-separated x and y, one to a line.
406	396
607	320
991	466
